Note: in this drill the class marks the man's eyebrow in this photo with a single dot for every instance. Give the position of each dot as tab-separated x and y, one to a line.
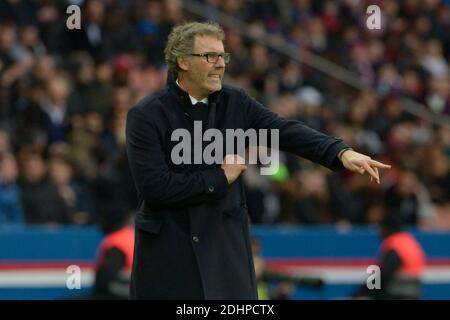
215	52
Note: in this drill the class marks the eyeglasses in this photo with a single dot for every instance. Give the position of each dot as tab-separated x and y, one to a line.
213	57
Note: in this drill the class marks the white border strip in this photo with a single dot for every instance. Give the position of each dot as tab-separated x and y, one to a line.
351	275
57	278
48	278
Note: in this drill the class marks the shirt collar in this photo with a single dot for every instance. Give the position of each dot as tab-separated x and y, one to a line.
193	100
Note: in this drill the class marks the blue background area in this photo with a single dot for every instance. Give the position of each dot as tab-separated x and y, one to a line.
80	245
37	243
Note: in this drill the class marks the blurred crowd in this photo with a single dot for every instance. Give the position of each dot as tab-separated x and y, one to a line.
64	96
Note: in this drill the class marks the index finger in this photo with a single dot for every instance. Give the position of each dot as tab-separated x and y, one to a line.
379	164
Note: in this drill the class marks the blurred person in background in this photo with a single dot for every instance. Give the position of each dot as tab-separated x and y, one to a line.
83	96
91	37
74	194
30	40
11	212
5	141
115	253
401	261
403	197
275	284
55	108
265	292
10	53
42	203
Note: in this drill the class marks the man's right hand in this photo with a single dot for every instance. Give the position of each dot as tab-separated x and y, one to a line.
233	165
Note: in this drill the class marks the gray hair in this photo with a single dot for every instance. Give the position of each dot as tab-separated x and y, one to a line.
181	41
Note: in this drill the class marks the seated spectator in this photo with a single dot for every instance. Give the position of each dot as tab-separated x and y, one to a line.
74	194
41	200
402	198
10	206
56	109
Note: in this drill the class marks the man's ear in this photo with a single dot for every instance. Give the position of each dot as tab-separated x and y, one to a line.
183	63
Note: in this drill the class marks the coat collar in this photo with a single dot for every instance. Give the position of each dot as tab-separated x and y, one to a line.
193	100
185	102
183	97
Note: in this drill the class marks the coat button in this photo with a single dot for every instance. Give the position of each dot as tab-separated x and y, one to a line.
195	239
211	189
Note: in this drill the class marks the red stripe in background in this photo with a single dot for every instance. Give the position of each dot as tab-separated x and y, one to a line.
351	262
27	265
318	262
271	262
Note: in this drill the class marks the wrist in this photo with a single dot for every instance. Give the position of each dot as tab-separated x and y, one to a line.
341	153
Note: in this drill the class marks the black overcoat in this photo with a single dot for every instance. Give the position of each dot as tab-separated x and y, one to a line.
192	228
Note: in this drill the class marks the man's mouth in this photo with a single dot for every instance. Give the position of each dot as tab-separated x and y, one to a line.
214	76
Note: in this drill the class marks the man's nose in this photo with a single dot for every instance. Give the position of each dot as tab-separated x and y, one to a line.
220	63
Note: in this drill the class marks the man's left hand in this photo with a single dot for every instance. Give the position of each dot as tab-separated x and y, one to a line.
360	163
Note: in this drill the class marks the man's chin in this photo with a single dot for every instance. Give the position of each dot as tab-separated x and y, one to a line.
215	87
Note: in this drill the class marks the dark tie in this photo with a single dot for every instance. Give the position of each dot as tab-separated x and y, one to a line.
200	112
200	105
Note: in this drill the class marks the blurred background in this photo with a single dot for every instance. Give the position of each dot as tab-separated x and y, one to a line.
64	96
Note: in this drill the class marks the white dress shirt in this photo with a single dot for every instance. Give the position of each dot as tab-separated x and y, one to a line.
193	100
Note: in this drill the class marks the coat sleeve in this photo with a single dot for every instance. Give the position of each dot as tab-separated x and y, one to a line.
155	182
295	136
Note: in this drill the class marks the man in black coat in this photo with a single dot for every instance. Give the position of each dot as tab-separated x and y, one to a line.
192	232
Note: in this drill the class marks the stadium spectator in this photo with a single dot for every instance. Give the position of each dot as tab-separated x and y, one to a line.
11	212
42	203
74	194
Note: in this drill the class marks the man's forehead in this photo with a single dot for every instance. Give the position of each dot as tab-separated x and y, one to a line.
208	43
